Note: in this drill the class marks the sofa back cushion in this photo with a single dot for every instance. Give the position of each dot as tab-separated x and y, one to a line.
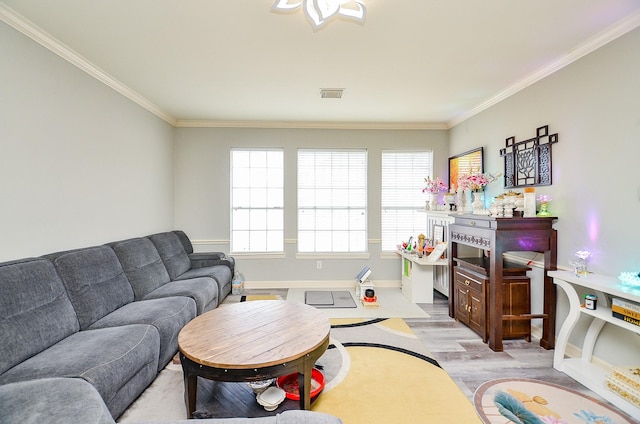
184	239
172	252
95	282
142	264
35	312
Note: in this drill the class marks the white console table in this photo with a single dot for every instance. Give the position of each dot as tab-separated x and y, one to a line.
582	369
418	277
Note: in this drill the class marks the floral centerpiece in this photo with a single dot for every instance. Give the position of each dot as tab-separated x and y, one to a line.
434	187
476	182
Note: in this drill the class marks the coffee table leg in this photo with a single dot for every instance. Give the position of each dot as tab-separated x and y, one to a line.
190	389
304	385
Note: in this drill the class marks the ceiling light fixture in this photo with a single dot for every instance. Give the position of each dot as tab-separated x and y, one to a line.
331	93
320	12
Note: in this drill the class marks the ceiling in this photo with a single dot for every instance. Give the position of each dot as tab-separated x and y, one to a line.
412	64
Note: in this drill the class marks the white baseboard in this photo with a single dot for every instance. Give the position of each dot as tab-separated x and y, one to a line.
315	284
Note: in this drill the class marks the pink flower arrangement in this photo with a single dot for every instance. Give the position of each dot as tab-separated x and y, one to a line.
434	186
476	182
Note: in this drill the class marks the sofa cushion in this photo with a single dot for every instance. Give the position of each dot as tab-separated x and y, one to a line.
149	278
95	282
142	265
120	362
184	239
35	312
201	259
172	252
220	273
203	290
53	401
167	315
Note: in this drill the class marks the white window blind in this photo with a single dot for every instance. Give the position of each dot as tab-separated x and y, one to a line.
257	200
402	199
332	200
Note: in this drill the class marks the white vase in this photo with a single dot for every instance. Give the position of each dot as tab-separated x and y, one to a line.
462	201
478	202
433	204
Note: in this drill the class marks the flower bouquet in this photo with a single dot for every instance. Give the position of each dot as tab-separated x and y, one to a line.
434	187
476	182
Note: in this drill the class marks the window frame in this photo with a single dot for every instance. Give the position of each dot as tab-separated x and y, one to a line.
414	209
235	207
351	209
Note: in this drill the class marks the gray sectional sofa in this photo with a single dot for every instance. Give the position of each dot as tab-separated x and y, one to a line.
84	332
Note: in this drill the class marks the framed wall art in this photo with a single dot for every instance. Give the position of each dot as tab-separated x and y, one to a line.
465	163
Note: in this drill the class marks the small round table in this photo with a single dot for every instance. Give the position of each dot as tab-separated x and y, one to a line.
253	341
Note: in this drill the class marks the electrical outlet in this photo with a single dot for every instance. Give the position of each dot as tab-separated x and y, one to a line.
319	265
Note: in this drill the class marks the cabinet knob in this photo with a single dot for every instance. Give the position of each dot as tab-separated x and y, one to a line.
467	282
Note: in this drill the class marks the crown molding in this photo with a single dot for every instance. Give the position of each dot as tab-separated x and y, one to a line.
26	27
21	24
185	123
625	25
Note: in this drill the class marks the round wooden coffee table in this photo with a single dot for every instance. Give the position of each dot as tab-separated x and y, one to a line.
253	341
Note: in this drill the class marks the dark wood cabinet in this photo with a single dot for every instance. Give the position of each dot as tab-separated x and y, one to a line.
503	291
516	302
470	300
472	292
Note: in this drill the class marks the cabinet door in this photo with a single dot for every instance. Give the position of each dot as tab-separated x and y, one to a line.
462	302
476	314
516	300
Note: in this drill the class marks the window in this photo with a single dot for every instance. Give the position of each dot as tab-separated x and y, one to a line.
257	201
403	202
332	200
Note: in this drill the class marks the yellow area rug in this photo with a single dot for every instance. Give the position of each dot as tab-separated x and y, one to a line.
376	371
528	401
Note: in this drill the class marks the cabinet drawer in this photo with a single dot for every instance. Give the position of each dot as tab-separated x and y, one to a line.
469	279
472	222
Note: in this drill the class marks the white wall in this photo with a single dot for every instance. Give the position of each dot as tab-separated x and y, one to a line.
594	106
202	194
79	163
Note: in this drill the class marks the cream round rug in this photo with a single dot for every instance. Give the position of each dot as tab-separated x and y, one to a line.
528	401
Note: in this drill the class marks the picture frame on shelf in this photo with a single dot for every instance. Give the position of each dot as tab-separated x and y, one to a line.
438	234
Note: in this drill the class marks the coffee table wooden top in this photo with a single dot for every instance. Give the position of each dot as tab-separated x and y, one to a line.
253	334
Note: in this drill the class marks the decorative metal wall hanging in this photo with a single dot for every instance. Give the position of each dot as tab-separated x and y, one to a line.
528	162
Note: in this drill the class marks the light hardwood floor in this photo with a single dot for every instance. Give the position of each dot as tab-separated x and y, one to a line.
470	362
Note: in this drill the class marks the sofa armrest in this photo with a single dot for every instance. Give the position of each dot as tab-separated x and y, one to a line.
200	260
207	256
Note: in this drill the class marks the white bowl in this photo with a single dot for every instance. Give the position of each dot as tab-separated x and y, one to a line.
271	398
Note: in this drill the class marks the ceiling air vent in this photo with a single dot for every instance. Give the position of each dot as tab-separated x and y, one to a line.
331	93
